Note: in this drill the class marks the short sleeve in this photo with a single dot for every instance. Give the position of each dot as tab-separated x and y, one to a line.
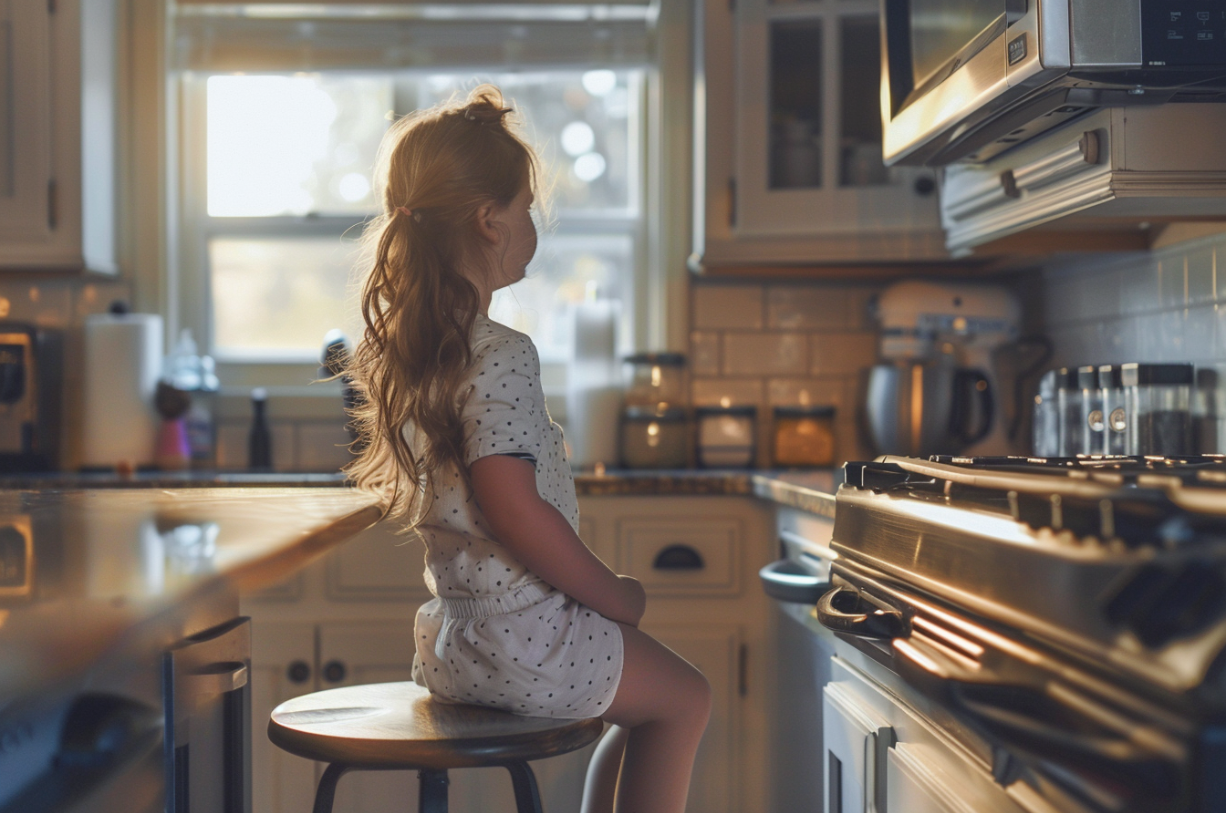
501	412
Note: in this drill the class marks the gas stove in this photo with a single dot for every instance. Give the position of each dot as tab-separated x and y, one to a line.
1071	611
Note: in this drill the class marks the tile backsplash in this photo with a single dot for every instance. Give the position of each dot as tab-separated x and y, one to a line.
1161	306
1167	305
770	344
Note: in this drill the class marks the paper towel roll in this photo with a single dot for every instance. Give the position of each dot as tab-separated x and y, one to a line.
592	415
123	358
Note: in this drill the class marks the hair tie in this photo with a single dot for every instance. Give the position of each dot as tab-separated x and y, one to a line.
405	210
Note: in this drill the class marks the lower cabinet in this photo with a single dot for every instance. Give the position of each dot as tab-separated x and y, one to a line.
349	620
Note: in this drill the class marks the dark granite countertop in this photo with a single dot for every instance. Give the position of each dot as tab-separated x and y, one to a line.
804	489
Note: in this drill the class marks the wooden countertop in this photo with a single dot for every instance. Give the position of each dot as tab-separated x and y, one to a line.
82	571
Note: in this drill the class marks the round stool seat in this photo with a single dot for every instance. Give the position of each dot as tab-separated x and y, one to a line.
388	725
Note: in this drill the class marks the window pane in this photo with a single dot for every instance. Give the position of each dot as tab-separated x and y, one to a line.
292	145
277	297
560	275
582	124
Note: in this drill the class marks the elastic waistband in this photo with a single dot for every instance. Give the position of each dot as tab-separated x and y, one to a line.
519	599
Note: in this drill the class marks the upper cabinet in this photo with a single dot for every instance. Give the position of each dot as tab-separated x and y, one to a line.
788	132
57	135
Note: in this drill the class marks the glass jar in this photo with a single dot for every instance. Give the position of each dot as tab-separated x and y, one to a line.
1092	422
726	436
654	438
1115	415
1068	403
1158	399
655	379
1046	418
804	436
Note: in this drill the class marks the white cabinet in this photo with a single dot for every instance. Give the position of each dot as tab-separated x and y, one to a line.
348	620
856	740
57	134
789	141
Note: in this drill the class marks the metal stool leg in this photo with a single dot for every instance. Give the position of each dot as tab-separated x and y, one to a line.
325	794
431	791
527	797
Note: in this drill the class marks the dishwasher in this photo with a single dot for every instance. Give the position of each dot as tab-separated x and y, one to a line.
804	650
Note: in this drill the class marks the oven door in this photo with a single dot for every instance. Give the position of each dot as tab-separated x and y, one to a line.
1047	718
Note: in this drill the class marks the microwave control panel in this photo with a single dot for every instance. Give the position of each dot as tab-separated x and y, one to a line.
1183	32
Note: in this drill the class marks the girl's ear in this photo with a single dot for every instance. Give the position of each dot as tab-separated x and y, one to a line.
487	223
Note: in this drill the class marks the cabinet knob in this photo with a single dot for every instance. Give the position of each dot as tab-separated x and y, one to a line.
924	186
334	671
298	672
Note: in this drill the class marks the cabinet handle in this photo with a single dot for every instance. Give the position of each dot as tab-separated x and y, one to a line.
334	671
678	557
298	672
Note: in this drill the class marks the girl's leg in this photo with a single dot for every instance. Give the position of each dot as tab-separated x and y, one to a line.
665	702
601	783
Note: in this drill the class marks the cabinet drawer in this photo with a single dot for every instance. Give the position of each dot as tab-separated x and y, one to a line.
377	565
681	555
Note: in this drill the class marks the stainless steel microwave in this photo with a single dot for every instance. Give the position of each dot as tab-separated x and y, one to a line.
966	80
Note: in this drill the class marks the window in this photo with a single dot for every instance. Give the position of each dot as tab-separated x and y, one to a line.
282	183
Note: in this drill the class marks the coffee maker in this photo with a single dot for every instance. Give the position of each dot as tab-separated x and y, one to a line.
936	389
31	375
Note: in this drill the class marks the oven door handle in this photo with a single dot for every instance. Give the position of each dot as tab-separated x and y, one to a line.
845	609
1041	719
790	582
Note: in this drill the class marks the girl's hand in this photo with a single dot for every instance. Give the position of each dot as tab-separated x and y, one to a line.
636	600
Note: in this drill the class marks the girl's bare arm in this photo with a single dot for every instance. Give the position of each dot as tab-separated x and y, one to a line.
539	536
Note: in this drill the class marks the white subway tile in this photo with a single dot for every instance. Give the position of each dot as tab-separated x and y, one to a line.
805	392
839	353
1138	285
794	307
1198	333
861	302
1201	282
233	444
322	446
1172	281
728	306
735	391
704	352
765	353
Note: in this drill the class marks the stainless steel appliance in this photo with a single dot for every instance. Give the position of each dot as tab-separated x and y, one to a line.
31	372
936	389
1065	617
968	79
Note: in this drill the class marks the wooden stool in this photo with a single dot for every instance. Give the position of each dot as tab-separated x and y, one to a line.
396	726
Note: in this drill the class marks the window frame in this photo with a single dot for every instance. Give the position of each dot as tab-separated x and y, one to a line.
190	294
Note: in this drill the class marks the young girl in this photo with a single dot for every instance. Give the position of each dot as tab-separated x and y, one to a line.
456	434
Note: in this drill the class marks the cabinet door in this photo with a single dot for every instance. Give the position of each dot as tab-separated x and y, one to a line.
715	784
282	667
353	653
26	137
808	158
855	738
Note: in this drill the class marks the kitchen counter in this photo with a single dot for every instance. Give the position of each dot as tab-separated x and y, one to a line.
810	490
86	573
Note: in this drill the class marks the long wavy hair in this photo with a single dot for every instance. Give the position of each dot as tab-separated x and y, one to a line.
436	168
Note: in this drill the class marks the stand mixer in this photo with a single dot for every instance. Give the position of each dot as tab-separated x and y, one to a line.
936	389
